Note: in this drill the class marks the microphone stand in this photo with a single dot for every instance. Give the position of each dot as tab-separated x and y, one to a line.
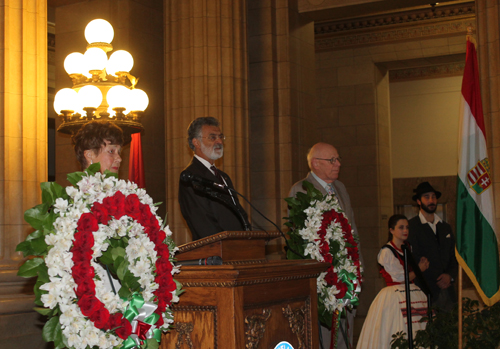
216	195
408	297
270	221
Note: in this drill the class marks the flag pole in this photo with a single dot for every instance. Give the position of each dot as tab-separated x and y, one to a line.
459	307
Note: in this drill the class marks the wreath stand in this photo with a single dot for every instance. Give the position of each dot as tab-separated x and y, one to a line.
249	301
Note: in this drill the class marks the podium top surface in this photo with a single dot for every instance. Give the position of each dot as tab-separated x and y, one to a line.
228	235
231	246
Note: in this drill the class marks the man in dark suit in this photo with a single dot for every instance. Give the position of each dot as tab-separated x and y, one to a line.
324	162
432	238
205	214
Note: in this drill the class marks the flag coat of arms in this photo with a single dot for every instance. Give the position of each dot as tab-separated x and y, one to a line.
477	246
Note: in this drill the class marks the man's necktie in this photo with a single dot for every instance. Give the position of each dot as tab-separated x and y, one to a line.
217	174
330	189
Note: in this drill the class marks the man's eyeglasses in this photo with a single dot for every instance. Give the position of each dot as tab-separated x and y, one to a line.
212	138
332	160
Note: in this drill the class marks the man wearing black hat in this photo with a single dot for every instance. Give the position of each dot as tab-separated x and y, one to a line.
432	238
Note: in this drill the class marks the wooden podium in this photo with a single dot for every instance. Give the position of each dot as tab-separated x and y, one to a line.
248	302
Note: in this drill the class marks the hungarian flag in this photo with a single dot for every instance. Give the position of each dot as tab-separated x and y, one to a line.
136	166
477	248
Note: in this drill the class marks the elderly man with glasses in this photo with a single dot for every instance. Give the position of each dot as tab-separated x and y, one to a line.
324	162
208	210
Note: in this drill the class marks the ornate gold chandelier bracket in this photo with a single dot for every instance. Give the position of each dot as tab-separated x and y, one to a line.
103	89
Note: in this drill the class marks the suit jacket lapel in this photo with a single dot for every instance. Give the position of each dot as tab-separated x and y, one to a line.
203	170
339	196
310	178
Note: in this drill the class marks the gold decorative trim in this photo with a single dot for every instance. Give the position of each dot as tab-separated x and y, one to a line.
184	329
423	15
228	235
394	35
251	261
297	321
248	282
436	71
255	328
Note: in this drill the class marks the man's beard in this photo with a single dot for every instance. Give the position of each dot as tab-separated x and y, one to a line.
427	209
211	152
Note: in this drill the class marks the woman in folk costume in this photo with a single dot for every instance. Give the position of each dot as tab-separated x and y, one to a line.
387	314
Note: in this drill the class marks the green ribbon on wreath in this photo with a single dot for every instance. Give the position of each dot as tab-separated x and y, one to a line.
353	286
142	318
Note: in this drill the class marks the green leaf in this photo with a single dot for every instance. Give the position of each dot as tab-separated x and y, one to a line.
35	216
39	246
122	269
48	223
38	292
117	252
108	173
75	177
25	248
124	292
51	191
43	311
131	281
152	344
93	168
43	273
106	258
34	235
30	268
52	331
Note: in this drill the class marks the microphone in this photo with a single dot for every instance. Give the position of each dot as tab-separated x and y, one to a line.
214	260
187	176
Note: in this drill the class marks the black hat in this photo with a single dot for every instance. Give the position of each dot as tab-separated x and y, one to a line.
423	188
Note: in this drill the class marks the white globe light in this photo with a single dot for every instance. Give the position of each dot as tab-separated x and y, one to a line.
74	63
95	59
66	99
90	96
120	60
99	30
119	97
139	100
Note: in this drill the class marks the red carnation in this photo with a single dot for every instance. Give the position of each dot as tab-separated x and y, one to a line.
87	223
132	206
124	330
86	286
82	271
115	205
330	277
101	213
100	317
84	240
114	321
89	304
342	287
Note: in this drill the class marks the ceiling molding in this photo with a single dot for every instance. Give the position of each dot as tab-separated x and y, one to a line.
415	24
433	72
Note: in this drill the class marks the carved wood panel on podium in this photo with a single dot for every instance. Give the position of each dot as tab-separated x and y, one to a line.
248	302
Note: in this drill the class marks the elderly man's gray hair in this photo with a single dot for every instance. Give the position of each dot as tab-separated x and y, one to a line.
194	129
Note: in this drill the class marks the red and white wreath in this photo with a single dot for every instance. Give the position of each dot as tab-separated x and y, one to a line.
104	222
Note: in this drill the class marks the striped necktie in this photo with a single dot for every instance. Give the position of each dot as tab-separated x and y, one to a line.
217	174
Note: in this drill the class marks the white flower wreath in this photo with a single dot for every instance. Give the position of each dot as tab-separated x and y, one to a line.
101	221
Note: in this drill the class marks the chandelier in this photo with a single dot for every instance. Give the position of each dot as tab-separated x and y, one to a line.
103	89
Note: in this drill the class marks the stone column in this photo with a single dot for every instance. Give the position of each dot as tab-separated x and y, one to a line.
488	47
23	156
205	75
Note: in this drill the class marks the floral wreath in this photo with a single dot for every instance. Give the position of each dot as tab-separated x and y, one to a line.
86	235
319	230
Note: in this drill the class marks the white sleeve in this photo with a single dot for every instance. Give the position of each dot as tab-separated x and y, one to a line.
391	265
